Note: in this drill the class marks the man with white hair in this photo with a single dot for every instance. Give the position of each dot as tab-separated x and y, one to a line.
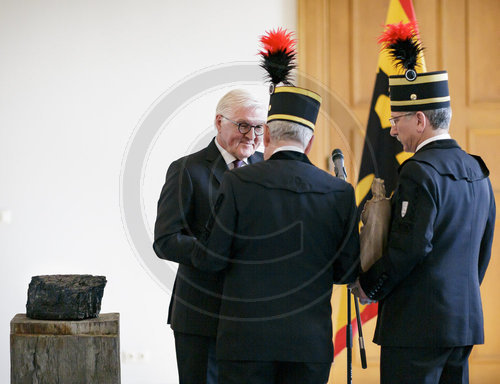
185	204
283	231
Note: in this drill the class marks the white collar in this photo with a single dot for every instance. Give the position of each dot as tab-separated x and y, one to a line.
442	136
288	148
228	158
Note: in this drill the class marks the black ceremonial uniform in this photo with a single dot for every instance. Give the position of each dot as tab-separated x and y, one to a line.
439	246
438	251
285	231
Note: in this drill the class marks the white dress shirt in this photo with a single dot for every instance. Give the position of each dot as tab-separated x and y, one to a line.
228	158
288	148
442	136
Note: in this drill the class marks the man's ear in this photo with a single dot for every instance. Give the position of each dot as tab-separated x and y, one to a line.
218	122
309	145
422	121
267	135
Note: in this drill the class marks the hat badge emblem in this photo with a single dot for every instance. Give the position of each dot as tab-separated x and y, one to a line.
410	75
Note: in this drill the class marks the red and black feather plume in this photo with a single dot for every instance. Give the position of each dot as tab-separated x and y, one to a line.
278	55
401	40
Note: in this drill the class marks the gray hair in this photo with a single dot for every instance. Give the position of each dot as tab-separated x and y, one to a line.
439	118
288	130
235	99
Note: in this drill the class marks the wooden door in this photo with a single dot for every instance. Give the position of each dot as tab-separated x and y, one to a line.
338	57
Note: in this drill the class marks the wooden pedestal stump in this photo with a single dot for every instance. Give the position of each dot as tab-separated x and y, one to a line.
65	352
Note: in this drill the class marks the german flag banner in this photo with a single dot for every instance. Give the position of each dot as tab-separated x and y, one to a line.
382	154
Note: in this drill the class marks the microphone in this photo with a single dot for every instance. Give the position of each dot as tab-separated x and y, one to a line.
338	164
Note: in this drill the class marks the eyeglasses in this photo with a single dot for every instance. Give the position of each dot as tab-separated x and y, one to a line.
245	127
394	120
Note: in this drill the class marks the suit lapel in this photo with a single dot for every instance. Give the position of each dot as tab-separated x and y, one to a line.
217	164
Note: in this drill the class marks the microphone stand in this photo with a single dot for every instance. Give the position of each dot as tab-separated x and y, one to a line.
338	161
362	350
361	339
348	342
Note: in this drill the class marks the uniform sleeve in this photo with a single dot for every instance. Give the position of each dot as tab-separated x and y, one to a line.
174	240
346	266
487	240
410	237
213	251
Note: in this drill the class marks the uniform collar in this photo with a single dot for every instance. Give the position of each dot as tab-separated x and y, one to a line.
290	155
443	136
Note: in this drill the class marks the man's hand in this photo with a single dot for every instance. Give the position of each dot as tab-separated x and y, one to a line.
359	293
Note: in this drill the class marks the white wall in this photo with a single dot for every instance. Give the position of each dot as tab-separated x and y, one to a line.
77	78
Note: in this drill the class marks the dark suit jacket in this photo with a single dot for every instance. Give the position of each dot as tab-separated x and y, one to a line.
184	207
284	232
438	251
